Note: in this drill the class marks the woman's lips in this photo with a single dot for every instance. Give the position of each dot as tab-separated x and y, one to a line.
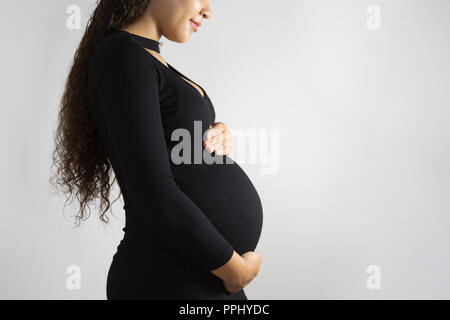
195	25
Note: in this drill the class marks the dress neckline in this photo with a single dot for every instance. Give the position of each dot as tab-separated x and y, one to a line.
147	43
154	45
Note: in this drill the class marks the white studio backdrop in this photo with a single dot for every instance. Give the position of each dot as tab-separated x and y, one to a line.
358	205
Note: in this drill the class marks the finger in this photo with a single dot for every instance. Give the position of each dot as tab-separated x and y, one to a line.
223	151
220	149
221	138
219	143
210	149
215	130
224	139
216	139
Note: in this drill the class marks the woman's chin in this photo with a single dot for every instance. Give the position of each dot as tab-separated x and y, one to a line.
180	37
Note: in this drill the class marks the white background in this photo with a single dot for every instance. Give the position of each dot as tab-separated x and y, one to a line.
364	157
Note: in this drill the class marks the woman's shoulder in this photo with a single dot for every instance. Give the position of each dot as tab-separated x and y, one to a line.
113	40
118	54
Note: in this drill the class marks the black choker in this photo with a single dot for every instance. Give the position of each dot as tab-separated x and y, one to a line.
144	41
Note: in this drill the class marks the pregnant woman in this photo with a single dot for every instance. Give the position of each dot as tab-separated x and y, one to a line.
191	227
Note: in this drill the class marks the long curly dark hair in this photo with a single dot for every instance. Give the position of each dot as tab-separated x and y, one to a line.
83	170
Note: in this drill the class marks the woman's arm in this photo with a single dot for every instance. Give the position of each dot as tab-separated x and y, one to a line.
234	271
239	270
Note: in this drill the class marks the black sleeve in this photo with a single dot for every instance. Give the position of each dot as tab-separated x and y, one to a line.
128	98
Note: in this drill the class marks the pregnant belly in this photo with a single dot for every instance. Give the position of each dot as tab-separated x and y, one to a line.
227	197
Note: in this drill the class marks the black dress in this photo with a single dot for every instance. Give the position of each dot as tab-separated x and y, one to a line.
182	220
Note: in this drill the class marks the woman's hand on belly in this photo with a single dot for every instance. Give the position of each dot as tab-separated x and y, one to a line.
219	139
239	271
